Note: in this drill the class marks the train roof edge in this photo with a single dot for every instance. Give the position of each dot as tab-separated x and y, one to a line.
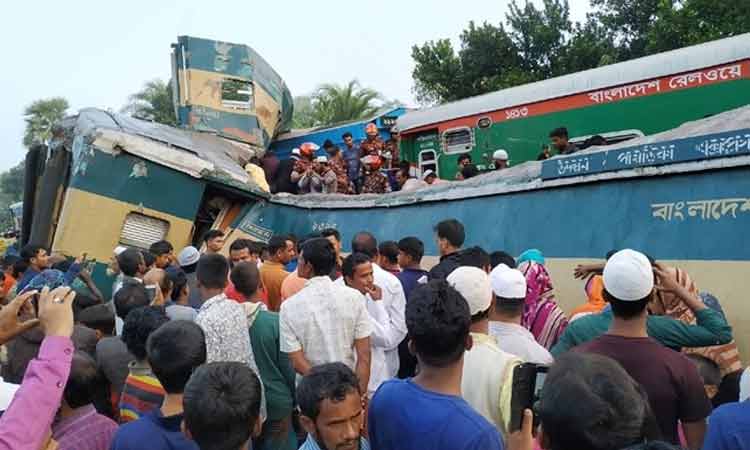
682	60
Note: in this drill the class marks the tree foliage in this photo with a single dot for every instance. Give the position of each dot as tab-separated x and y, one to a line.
11	183
536	43
153	102
331	103
40	117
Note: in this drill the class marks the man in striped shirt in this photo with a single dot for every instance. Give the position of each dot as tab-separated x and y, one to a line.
142	392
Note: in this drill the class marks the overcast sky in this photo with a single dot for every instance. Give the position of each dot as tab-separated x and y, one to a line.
97	53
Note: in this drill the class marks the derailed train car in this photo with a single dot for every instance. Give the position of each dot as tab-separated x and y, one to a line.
107	179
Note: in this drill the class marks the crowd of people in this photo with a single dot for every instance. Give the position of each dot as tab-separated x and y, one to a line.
372	166
294	345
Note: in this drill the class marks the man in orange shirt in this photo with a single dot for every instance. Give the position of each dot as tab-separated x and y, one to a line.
272	273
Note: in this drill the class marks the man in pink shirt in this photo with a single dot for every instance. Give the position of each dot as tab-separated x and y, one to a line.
42	388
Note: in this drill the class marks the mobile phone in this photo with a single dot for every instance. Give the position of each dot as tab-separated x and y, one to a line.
528	381
151	292
35	304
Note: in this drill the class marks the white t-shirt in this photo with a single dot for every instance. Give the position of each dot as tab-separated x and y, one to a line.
519	341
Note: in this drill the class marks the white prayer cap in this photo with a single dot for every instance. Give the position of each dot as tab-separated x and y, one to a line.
321	159
427	173
500	155
119	249
507	282
628	275
188	256
474	286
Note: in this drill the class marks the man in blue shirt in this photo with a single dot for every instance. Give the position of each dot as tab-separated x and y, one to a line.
427	411
352	155
38	260
331	408
729	427
410	252
174	350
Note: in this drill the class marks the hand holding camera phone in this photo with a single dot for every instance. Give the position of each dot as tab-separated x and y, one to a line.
528	381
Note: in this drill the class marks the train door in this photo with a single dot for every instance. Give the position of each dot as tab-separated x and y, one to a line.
427	153
482	154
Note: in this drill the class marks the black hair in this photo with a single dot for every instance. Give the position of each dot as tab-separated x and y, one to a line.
245	278
327	144
81	302
31	251
501	257
464	157
131	295
595	140
328	232
306	238
83	381
509	307
159	248
708	370
332	381
212	271
174	351
346	135
561	132
212	234
222	404
617	409
451	230
474	257
240	244
129	260
98	317
255	247
365	242
178	278
626	309
292	237
19	267
148	259
319	252
438	321
349	266
389	250
139	324
413	247
277	242
469	171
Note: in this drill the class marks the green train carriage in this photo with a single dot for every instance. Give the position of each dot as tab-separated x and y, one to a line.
619	102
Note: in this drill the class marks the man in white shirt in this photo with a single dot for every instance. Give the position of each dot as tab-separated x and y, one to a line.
358	274
394	298
325	322
509	287
487	381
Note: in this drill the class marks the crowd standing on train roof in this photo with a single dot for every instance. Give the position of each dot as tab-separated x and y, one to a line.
373	166
291	345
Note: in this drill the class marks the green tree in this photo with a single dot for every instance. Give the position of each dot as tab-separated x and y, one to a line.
303	112
11	183
332	103
40	117
153	102
540	36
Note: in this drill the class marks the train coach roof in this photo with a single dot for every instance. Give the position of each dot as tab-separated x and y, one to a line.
677	61
198	154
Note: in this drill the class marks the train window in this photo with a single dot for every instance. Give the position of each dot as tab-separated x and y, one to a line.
141	231
428	161
237	94
609	138
458	140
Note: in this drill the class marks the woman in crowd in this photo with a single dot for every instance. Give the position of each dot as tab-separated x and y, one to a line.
542	315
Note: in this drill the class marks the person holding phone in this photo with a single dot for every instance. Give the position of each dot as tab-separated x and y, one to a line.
589	401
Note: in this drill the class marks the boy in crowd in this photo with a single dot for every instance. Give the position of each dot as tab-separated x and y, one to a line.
174	351
331	408
222	406
438	320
